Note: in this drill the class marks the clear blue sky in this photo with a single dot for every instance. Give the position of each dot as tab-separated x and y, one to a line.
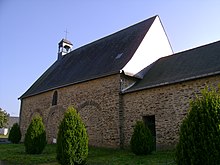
31	29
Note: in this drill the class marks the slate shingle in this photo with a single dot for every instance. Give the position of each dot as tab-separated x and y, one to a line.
97	59
191	64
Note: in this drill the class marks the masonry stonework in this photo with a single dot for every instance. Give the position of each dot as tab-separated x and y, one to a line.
96	100
168	103
110	116
111	84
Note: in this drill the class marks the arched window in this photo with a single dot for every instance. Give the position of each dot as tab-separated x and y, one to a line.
55	96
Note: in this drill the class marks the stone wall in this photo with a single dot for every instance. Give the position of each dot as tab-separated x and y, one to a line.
127	81
168	103
97	101
110	116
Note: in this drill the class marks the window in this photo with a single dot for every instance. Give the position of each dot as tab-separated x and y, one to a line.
55	96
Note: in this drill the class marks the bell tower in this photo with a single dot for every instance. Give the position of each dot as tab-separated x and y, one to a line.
64	47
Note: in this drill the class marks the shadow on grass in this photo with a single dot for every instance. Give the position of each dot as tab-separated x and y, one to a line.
14	154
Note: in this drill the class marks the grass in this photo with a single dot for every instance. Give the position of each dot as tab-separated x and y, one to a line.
125	157
15	154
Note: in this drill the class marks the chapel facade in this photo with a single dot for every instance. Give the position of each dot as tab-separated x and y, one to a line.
124	77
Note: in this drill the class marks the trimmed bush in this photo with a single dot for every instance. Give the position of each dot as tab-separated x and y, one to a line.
35	137
199	140
15	134
141	140
72	141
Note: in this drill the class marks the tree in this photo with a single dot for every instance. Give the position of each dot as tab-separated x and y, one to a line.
3	118
35	137
141	140
72	141
199	141
15	134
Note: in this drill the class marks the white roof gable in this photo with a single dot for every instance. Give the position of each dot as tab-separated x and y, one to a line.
154	46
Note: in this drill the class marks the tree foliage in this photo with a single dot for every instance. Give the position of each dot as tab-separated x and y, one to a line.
35	137
15	134
72	142
3	118
199	141
141	140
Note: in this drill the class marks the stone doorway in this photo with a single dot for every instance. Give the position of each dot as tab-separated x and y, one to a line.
54	118
91	115
150	123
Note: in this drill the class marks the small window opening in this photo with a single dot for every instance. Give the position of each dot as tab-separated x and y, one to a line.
55	96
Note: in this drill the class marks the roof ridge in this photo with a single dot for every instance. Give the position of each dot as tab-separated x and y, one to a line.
96	59
197	47
195	63
116	32
188	50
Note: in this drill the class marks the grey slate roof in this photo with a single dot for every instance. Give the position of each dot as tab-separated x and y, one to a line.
100	58
191	64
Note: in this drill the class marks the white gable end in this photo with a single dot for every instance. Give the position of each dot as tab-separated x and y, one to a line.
154	46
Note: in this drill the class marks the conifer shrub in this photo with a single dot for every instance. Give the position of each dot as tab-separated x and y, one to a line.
141	140
15	134
72	141
35	137
199	139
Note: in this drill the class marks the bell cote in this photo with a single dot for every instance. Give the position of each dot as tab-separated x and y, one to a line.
64	47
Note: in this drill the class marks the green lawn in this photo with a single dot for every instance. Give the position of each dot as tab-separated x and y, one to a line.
97	156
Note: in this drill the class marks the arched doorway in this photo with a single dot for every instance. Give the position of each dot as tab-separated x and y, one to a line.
35	113
91	115
55	116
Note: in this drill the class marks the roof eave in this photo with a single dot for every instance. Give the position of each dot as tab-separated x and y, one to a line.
172	82
77	82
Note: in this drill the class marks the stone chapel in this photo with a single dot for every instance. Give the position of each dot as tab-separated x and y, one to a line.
124	77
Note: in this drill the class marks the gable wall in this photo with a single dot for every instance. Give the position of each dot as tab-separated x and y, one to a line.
154	46
168	103
97	102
